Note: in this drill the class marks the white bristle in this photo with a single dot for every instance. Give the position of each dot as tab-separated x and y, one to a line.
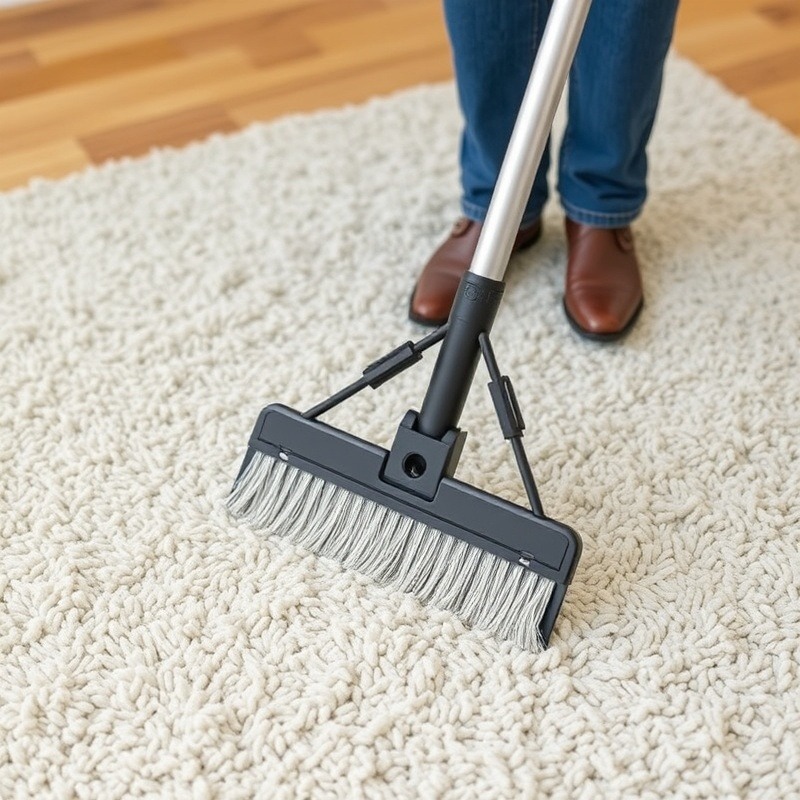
484	590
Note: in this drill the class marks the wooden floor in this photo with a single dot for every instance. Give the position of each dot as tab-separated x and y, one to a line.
82	81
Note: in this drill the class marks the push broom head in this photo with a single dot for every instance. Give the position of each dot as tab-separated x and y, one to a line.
397	518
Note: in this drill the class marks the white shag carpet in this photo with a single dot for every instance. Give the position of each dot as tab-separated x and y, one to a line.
149	646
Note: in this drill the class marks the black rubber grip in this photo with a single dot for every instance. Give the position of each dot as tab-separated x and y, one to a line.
474	310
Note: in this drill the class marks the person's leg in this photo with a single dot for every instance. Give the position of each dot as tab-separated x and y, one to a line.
614	88
494	43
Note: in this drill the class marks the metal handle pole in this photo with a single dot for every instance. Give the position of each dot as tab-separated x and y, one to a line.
550	70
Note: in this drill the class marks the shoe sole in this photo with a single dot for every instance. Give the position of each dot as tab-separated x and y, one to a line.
437	323
603	337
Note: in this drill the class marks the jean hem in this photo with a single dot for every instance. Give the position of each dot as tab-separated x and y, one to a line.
599	219
478	213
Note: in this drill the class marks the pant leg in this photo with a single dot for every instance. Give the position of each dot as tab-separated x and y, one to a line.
494	43
614	89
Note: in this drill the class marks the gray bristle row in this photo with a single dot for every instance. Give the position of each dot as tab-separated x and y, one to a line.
484	590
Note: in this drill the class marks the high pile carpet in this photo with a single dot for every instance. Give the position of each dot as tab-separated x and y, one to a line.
149	646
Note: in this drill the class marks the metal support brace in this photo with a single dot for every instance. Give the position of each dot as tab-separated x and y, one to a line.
380	371
511	422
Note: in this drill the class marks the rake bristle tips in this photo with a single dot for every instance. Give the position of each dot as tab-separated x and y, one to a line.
486	591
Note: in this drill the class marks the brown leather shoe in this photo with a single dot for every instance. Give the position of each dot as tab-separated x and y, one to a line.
436	288
603	294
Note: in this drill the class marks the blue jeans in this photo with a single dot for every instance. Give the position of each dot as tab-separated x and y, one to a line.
614	87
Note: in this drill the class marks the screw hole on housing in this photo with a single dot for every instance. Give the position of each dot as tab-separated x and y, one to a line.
414	465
